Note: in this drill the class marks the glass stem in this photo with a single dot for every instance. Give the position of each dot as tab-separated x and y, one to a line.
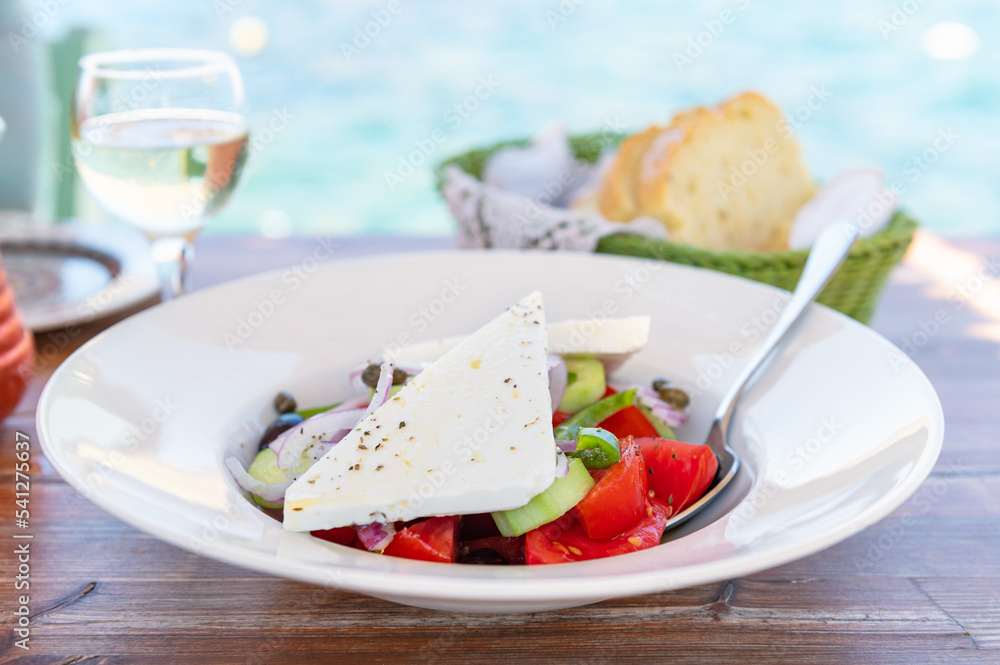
172	257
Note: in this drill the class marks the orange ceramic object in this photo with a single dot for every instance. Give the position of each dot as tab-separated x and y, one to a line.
17	350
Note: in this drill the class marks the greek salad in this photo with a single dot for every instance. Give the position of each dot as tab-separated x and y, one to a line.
512	447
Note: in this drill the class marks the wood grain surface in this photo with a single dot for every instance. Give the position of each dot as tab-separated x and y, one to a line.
921	586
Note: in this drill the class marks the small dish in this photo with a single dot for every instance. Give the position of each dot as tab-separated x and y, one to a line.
74	273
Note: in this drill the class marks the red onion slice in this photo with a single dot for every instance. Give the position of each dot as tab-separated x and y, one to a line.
270	493
352	403
319	450
382	388
326	426
671	416
355	380
668	413
558	380
375	536
566	446
562	464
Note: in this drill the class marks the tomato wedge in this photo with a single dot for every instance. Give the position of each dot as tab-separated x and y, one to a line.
618	500
342	535
565	540
435	539
627	422
559	417
679	473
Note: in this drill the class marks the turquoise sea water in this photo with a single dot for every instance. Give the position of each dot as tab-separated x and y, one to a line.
868	69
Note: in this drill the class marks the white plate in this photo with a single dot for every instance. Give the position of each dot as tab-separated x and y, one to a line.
73	273
840	431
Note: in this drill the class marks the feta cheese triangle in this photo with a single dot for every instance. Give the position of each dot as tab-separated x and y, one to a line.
472	433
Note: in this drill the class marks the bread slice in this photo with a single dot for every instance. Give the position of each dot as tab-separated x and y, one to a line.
618	198
728	178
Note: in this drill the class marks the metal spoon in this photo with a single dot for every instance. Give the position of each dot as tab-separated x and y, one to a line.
826	255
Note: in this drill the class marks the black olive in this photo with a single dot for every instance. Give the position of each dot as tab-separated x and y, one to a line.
675	397
660	384
484	557
284	403
285	421
370	376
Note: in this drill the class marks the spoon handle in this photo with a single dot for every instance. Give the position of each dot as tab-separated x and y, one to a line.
826	255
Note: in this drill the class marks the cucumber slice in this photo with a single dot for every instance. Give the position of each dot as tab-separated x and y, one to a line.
265	469
586	384
553	503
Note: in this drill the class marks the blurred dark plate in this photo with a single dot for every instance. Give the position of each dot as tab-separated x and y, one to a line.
73	273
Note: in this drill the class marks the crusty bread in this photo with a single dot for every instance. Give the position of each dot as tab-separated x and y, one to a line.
728	178
617	199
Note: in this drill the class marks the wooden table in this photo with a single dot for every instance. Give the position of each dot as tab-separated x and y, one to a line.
921	586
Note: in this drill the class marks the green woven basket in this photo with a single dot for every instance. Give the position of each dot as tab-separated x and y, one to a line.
854	290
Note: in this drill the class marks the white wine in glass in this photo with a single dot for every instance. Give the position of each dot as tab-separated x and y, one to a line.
160	140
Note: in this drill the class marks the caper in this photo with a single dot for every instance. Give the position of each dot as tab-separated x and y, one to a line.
370	376
675	397
660	384
284	403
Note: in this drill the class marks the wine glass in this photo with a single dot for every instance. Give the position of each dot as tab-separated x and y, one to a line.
160	138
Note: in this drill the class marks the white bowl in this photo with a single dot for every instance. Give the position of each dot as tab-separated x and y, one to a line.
839	432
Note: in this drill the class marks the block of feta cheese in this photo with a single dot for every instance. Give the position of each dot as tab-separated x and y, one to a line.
612	341
471	434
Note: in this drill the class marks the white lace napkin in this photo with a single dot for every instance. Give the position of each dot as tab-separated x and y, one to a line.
524	198
489	217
